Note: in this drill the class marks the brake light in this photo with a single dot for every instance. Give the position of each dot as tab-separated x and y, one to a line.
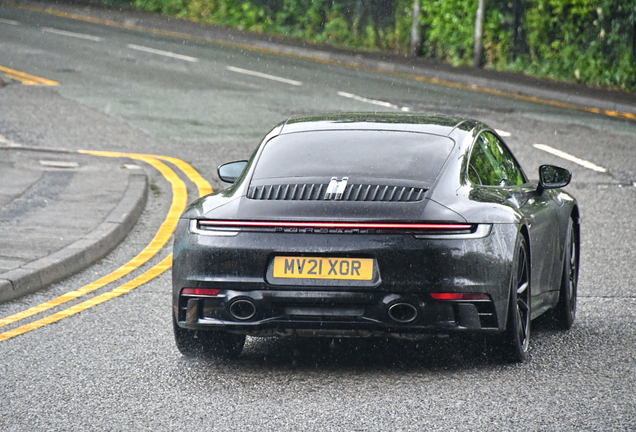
200	291
361	225
459	296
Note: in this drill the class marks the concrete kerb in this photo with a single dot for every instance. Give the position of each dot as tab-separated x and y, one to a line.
41	273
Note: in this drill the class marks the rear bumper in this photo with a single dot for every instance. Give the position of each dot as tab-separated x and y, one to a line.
410	269
263	313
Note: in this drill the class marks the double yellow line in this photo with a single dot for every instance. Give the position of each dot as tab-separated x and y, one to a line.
179	201
25	78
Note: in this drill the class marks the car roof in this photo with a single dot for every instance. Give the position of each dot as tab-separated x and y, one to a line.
431	124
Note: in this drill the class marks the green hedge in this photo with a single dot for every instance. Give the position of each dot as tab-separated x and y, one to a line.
586	41
583	40
591	42
367	24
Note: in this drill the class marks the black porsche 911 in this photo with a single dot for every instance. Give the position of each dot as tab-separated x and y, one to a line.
376	225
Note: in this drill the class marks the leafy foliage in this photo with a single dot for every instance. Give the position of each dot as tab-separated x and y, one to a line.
583	40
448	29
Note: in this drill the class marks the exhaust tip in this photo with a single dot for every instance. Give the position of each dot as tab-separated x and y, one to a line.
402	312
242	309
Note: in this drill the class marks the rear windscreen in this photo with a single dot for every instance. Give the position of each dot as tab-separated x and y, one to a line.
373	154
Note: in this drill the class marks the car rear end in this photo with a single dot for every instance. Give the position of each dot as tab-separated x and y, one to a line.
282	280
333	233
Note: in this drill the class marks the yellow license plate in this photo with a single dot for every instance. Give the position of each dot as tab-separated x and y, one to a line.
323	268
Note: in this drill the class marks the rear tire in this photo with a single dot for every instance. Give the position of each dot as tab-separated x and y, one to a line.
565	310
516	340
207	343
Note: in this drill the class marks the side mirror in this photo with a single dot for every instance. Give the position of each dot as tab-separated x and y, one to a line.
231	171
553	177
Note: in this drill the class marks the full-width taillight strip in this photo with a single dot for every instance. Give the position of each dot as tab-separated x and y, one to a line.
360	225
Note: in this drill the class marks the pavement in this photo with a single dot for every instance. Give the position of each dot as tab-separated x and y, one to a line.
60	211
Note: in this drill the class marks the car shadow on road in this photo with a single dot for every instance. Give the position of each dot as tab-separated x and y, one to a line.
450	353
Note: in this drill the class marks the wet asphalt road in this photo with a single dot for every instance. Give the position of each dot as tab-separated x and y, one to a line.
115	366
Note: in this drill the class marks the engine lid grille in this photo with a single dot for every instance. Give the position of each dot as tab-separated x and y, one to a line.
353	192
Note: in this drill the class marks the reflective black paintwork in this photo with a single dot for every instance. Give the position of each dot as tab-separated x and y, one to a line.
411	267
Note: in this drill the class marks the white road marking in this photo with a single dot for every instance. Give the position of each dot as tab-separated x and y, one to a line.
71	34
569	157
7	142
59	164
372	101
10	22
163	53
503	133
263	75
